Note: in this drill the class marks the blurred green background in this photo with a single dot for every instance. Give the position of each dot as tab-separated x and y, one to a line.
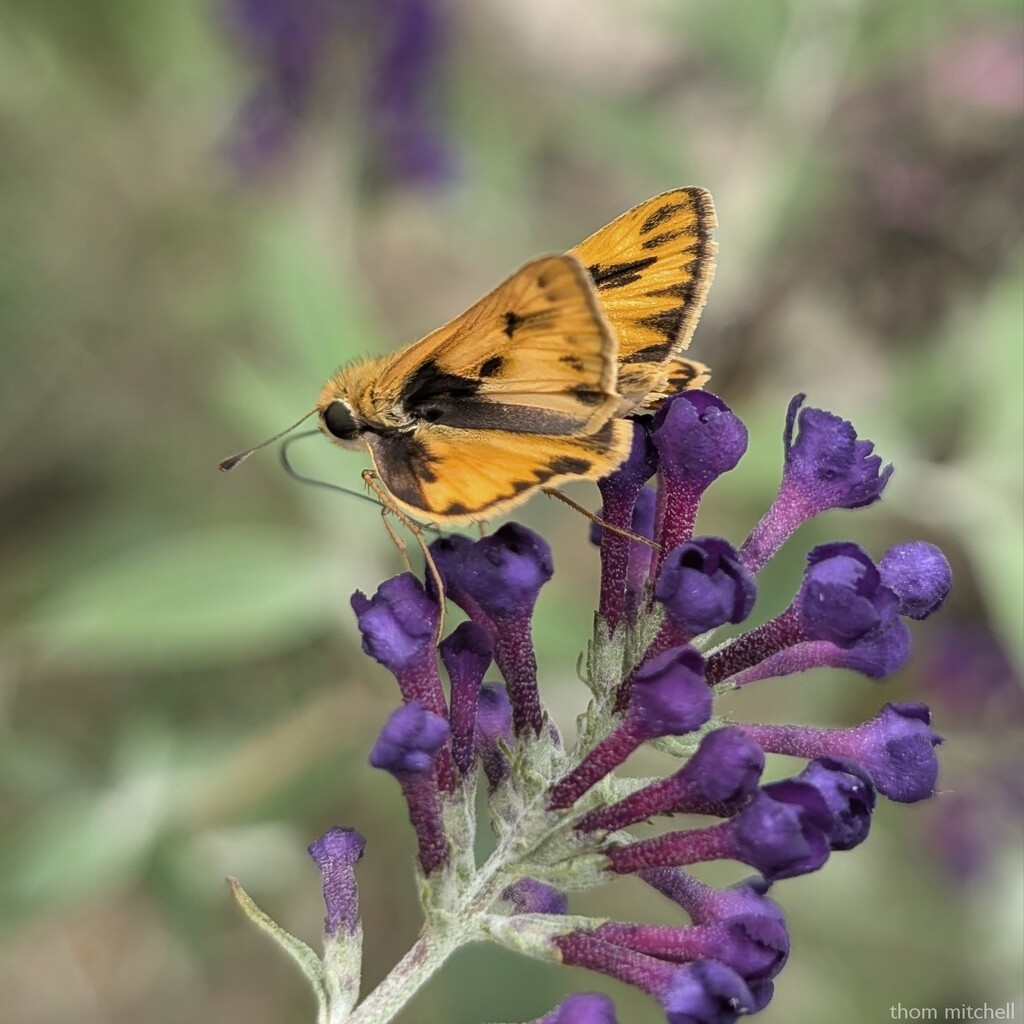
206	206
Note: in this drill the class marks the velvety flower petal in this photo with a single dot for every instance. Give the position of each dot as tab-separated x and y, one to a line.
706	992
897	749
398	623
409	741
850	795
842	599
703	585
698	439
501	573
670	697
408	748
783	832
827	463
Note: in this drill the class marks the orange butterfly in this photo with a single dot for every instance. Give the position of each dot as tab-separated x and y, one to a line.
531	387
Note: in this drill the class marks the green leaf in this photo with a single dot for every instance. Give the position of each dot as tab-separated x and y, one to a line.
309	963
201	597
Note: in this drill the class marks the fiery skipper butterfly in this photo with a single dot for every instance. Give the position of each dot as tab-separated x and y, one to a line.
531	387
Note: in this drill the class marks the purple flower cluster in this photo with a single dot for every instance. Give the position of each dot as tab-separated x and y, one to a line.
651	679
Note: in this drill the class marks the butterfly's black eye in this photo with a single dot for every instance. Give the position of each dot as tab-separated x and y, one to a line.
340	422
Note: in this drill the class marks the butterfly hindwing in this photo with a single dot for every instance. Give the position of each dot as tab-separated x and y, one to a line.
454	475
535	355
652	268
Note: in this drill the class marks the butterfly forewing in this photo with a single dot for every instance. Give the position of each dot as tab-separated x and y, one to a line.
652	268
535	355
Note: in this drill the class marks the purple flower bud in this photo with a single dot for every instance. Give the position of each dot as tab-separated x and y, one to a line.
826	467
876	657
705	904
336	854
493	724
582	1008
706	992
409	741
620	491
755	946
895	748
466	654
781	833
669	698
399	628
842	602
850	795
703	585
919	575
698	438
496	581
721	775
528	896
842	599
407	747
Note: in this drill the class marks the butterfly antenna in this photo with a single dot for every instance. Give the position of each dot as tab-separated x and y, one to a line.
294	473
235	460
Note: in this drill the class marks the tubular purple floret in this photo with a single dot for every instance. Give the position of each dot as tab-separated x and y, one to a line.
896	748
703	991
755	946
669	698
698	438
399	629
826	467
719	778
336	854
781	833
408	748
466	653
496	581
704	903
619	492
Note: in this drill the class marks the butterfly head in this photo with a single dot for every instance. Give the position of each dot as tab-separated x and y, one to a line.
338	421
344	408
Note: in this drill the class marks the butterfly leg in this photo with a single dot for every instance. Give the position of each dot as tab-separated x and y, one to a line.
388	506
586	513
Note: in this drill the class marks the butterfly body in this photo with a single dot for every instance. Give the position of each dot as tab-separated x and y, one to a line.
530	388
